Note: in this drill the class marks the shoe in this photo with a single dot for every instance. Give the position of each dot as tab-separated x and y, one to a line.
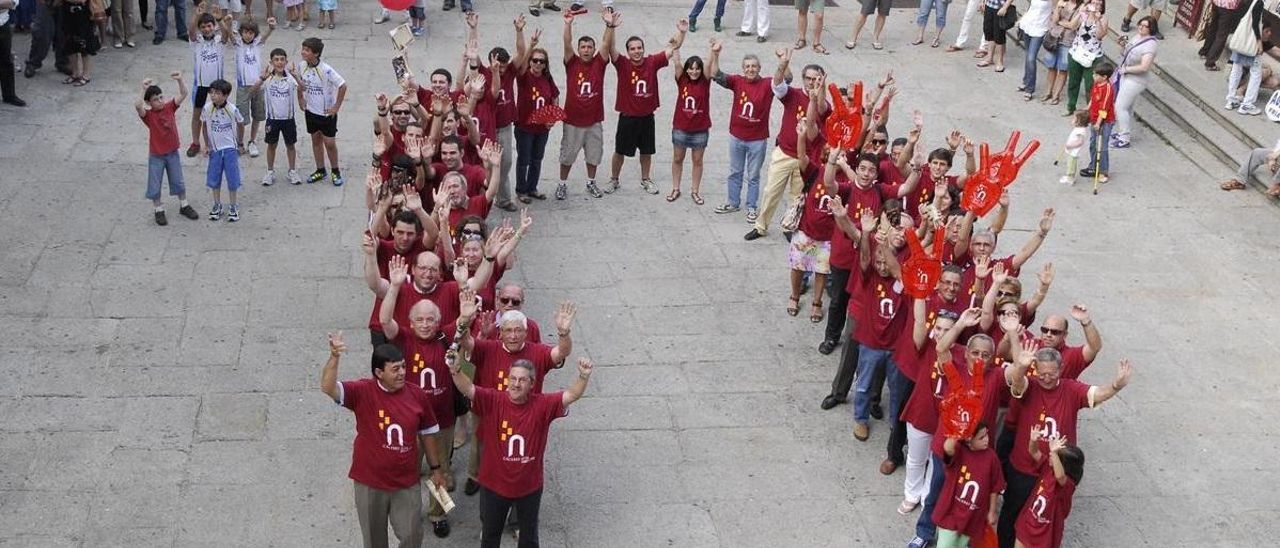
193	150
337	179
233	214
877	412
524	198
269	179
861	431
160	219
156	41
1067	180
216	212
742	33
184	38
752	214
29	71
447	7
534	12
1087	172
594	190
15	101
906	507
693	24
562	191
1246	109
1126	25
294	179
917	543
826	347
613	186
253	150
888	466
1232	104
417	31
189	212
648	186
762	39
551	7
726	208
507	206
382	17
536	195
471	487
716	22
1122	143
829	402
147	26
576	6
117	44
753	235
130	44
317	175
440	528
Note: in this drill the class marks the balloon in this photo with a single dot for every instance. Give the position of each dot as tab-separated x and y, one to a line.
397	5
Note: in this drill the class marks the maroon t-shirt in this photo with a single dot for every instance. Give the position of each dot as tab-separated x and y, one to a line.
693	114
476	176
905	354
477	205
387	249
492	360
1041	523
923	194
752	101
843	253
881	316
515	438
504	104
533	93
163	127
385	452
1056	409
965	499
426	370
921	409
444	295
817	221
584	97
638	84
794	106
969	279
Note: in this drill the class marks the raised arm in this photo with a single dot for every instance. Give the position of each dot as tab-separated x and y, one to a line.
141	104
1092	338
567	37
460	379
783	72
713	63
968	318
913	140
1029	249
505	255
1002	213
329	374
998	276
612	19
682	28
841	214
521	60
575	390
182	87
491	156
963	235
1016	374
919	327
1046	279
372	277
398	271
564	323
1059	472
1104	393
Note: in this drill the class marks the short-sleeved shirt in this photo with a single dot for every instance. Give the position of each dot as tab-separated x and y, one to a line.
584	97
248	60
504	102
1056	409
477	205
882	315
444	295
752	101
971	478
515	439
638	84
492	360
969	290
206	57
280	94
387	249
320	86
843	253
1041	523
385	452
693	105
795	105
476	176
816	221
533	93
162	126
425	369
220	124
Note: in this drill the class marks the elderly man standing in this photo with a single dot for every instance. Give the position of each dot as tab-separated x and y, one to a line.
392	424
748	128
426	281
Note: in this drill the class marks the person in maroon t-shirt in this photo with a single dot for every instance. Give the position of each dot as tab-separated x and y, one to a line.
970	489
637	98
1053	334
404	243
880	291
516	423
584	109
452	159
748	130
921	410
1041	523
974	245
453	188
691	122
535	90
502	91
810	251
391	424
426	281
1049	403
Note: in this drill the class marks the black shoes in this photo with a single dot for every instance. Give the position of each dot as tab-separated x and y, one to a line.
829	402
157	41
1087	172
753	235
189	212
826	347
15	101
160	218
877	412
440	528
29	71
471	487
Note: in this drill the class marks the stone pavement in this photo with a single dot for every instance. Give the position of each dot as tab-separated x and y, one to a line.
161	382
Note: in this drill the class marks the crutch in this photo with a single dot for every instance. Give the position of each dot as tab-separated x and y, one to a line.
1097	161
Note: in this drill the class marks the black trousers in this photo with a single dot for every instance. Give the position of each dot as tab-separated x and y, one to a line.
1222	22
493	517
1017	490
6	60
44	35
898	436
837	304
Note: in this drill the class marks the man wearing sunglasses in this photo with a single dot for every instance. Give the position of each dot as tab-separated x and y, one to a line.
1053	334
978	246
510	296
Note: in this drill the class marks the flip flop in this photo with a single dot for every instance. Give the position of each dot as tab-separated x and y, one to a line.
850	45
980	54
697	198
816	315
1232	184
800	44
999	68
936	42
917	41
674	195
820	49
877	46
953	48
1274	191
984	63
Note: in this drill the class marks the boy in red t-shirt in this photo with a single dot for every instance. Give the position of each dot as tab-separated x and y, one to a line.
1102	106
157	114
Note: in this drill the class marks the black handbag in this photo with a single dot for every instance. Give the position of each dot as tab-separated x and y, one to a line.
1009	19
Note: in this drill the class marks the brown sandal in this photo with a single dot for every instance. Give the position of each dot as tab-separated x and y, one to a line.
1233	184
816	315
793	307
697	198
674	195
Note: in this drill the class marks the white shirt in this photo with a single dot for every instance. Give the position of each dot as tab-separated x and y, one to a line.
220	125
280	93
206	56
1036	21
320	86
4	14
248	60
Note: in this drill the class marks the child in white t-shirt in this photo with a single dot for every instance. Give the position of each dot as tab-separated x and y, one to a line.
1075	143
323	91
219	120
206	53
280	93
248	53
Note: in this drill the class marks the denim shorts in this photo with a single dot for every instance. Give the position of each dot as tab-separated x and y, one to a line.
223	163
157	166
1058	61
689	140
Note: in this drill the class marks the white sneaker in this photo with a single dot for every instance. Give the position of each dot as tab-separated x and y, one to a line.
294	179
1067	180
382	17
269	179
253	150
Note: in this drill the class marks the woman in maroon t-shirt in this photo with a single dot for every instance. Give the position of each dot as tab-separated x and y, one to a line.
811	243
690	127
1044	517
534	90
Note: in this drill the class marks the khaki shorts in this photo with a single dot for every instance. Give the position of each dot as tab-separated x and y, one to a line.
250	103
1162	5
589	139
815	6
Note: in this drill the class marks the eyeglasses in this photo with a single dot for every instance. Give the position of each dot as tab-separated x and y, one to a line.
538	60
402	112
879	141
469	232
518	380
1006	294
511	301
1052	331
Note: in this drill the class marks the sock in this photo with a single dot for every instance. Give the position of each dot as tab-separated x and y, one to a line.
159	209
183	203
336	173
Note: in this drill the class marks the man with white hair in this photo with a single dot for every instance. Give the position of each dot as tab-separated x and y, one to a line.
493	359
509	296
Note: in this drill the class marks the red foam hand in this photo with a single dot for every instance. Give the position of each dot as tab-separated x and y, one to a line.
988	539
922	270
1005	165
981	194
961	407
397	5
844	125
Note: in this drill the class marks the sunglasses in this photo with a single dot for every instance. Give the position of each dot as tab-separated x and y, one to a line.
467	231
402	112
879	141
538	60
1052	331
1005	294
510	301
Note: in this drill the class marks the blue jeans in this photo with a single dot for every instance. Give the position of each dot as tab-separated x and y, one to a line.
529	150
179	17
1105	163
939	6
157	166
697	8
899	390
1029	66
870	360
925	528
748	157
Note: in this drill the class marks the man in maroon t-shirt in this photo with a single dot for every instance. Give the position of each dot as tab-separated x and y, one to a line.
882	302
516	422
1049	404
584	109
501	78
974	245
404	243
748	131
425	281
451	160
637	98
391	424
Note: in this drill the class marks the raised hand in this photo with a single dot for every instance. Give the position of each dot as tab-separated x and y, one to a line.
1009	324
982	266
1046	274
336	344
519	23
868	220
412	201
682	25
1080	313
564	316
537	35
585	367
836	205
428	149
1057	442
397	270
971	317
999	274
1046	221
413	147
613	17
526	221
716	45
473	19
1123	371
887	80
271	22
467	305
367	244
1028	354
380	100
955	139
488	323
